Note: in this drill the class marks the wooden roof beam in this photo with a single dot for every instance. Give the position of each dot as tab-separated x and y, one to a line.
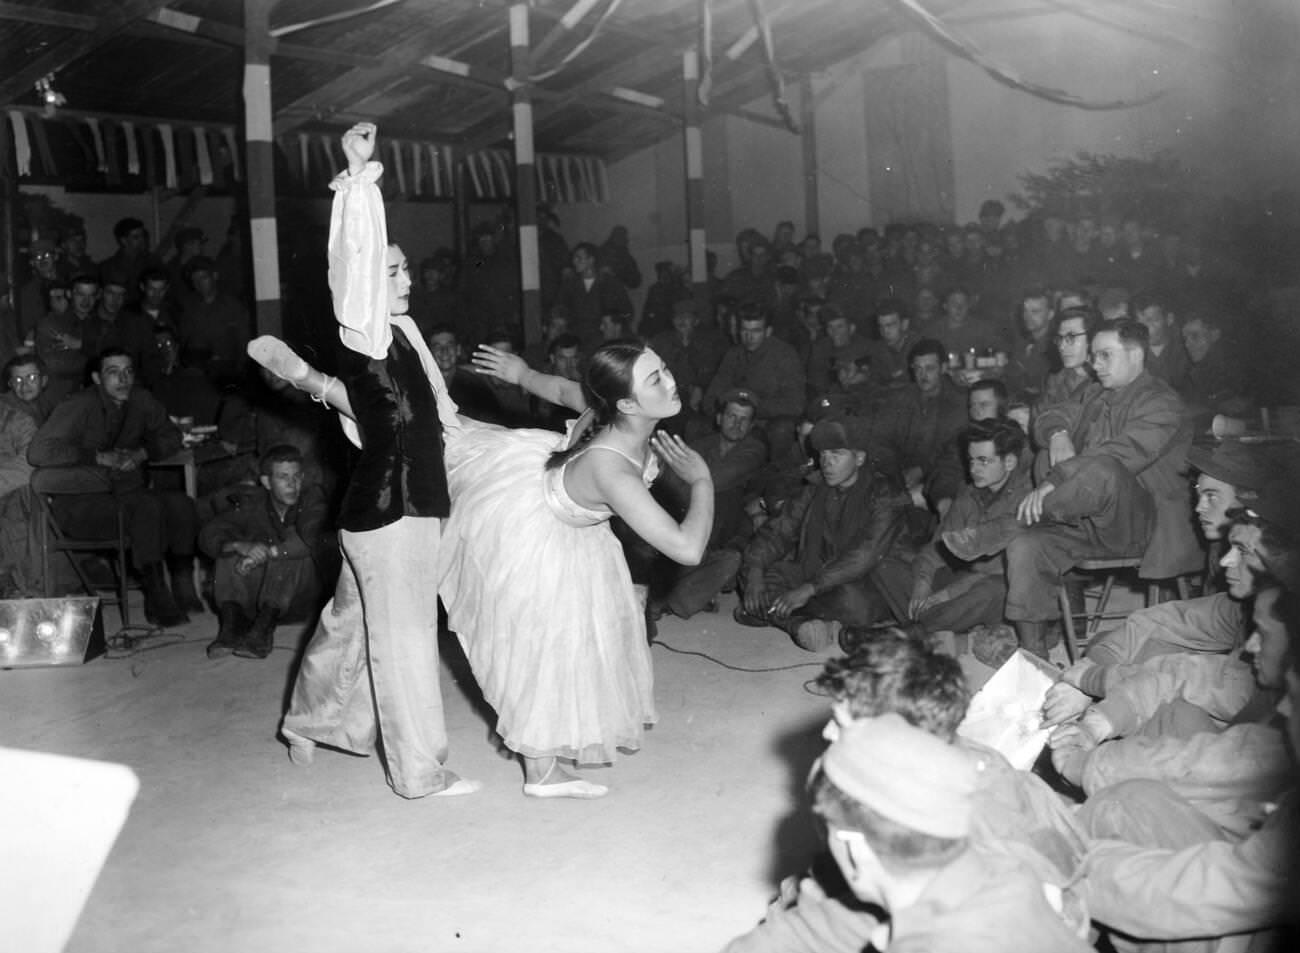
599	84
113	19
342	91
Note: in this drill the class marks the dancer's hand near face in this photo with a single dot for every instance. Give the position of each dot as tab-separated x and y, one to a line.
359	145
502	365
684	461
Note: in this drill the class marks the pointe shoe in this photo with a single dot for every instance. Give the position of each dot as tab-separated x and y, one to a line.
278	358
577	788
461	787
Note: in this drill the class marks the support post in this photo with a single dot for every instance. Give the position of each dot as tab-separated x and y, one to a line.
697	243
259	163
811	190
521	105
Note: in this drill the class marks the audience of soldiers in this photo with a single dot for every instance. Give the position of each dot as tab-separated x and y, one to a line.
929	429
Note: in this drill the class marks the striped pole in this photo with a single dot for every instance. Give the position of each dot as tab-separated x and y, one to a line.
525	173
259	162
696	241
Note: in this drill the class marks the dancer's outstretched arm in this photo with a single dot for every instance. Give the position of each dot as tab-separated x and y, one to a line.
513	369
282	361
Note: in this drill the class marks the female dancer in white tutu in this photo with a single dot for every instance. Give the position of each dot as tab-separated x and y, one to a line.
534	581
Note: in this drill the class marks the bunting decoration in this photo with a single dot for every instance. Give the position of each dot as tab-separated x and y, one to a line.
132	149
22	144
75	146
174	154
169	155
203	158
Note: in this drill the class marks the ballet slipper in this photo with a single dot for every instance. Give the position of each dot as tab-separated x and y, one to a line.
460	787
278	358
301	750
577	788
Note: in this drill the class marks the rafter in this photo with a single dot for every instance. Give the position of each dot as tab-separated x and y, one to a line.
343	90
492	128
113	20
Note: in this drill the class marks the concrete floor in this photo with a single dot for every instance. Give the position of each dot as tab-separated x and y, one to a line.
230	847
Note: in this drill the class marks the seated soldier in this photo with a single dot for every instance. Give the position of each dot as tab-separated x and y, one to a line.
27	387
265	553
1034	356
968	334
473	395
815	566
1233	476
58	338
1115	489
1213	382
947	592
986	400
101	438
1013	812
1165	358
113	325
692	353
1205	725
889	355
17	427
563	359
735	458
1072	329
899	807
840	342
920	422
514	401
1164	873
770	368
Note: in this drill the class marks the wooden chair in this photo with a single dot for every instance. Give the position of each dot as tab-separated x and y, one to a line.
1112	568
53	538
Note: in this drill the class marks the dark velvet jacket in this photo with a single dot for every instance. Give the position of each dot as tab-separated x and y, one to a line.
401	470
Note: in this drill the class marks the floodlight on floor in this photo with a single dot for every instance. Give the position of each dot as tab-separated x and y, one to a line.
42	632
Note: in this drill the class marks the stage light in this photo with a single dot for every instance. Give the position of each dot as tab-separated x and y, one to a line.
37	632
50	97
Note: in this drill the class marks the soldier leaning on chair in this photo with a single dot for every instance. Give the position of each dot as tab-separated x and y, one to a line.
97	442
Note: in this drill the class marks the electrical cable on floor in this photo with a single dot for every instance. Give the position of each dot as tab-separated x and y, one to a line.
133	639
728	665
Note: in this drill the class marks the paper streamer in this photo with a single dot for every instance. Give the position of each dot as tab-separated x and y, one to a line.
132	149
169	154
965	48
417	173
471	167
229	135
97	137
202	156
435	169
114	172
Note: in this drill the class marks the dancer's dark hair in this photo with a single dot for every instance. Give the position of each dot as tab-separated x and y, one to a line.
606	381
